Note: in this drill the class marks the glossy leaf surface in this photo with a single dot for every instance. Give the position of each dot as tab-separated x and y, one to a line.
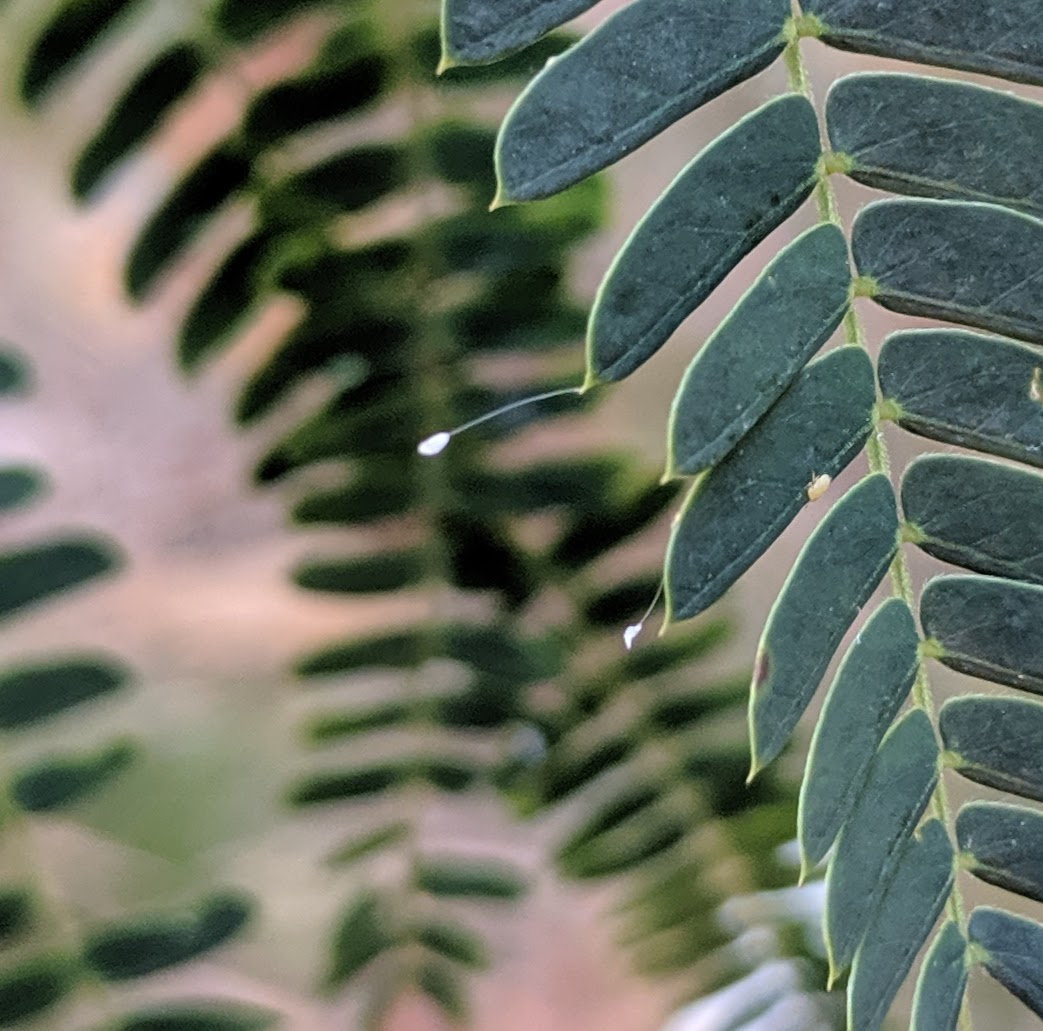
995	741
787	315
987	627
743	185
896	792
639	71
907	911
967	389
869	689
977	264
937	138
735	512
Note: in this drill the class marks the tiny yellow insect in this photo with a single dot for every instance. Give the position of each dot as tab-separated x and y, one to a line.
1036	386
818	486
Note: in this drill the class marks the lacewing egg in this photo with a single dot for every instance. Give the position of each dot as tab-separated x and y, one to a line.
818	486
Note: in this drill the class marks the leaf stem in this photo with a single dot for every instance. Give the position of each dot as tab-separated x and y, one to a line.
879	462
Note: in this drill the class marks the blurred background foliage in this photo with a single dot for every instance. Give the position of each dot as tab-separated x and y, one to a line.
346	737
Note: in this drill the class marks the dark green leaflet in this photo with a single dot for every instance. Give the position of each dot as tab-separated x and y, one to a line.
937	138
977	514
977	264
475	31
995	741
634	75
786	316
897	789
741	187
967	389
738	508
987	627
1002	844
838	569
942	982
1002	38
870	687
1013	949
907	911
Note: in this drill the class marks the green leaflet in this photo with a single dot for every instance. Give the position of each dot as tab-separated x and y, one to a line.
1003	38
737	509
743	185
897	789
908	909
37	572
14	376
937	138
365	845
70	32
18	913
18	486
1002	844
362	934
34	986
977	264
209	185
439	982
63	780
32	693
125	951
137	112
967	389
639	71
199	1017
476	31
837	570
738	374
942	982
869	689
995	741
462	878
977	514
987	628
387	571
392	651
453	942
1013	948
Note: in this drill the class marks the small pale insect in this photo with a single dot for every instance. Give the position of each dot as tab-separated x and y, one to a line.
818	486
1036	386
